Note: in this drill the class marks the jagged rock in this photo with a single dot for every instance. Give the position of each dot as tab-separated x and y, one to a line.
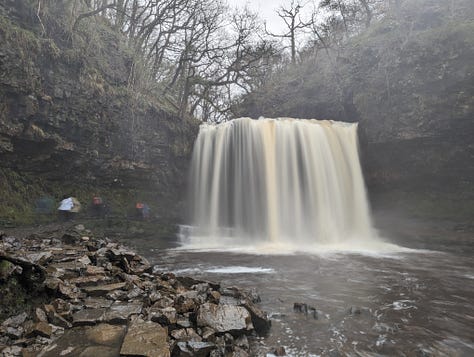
58	320
68	290
164	316
260	320
200	349
105	334
208	333
40	258
154	297
71	237
91	280
40	329
39	315
279	351
15	321
119	313
183	321
243	342
186	334
94	270
214	297
146	339
224	318
14	332
184	304
88	317
102	290
164	302
12	351
84	260
238	352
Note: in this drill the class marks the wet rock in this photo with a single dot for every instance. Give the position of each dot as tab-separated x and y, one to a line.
279	351
103	290
145	339
163	316
120	313
355	310
260	320
105	334
39	329
224	318
200	349
88	317
300	307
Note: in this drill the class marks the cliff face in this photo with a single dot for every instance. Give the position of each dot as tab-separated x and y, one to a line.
71	125
409	82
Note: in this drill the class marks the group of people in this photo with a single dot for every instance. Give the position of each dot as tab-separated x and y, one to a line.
70	206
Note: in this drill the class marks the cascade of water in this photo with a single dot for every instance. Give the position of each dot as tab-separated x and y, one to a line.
278	180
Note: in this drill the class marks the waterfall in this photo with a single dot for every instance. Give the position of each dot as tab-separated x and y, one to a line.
278	181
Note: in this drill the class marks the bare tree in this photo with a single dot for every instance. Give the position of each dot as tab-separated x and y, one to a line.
291	16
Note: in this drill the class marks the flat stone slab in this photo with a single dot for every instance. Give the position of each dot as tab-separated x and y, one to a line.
119	313
88	317
145	338
105	334
102	290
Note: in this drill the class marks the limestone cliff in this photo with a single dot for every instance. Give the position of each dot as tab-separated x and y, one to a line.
70	122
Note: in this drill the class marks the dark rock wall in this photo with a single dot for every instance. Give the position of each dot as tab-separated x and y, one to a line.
69	125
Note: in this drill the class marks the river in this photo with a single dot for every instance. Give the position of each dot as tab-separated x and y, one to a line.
416	302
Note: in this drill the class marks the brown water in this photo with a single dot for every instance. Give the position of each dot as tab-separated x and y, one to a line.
416	303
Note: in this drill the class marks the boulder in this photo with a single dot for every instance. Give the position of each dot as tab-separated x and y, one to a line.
145	338
260	320
224	318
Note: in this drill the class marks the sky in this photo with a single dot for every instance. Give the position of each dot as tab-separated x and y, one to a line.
267	11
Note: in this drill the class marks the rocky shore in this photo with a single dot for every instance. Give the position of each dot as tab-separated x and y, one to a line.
65	292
